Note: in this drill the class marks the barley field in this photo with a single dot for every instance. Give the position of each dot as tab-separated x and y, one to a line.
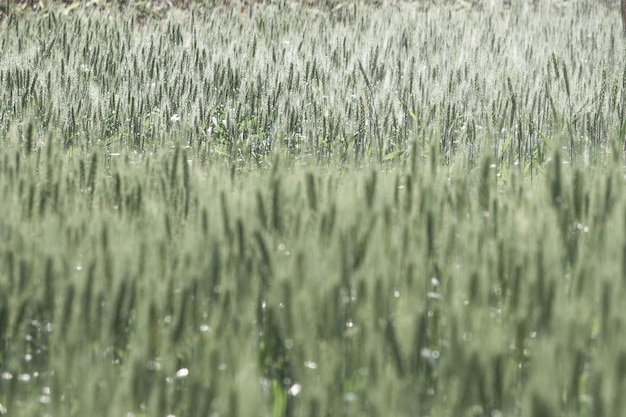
312	209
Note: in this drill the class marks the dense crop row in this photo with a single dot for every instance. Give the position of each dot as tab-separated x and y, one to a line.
348	86
286	213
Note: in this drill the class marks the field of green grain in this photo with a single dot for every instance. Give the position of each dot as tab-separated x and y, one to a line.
299	209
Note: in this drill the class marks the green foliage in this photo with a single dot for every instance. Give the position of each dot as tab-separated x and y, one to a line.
283	212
